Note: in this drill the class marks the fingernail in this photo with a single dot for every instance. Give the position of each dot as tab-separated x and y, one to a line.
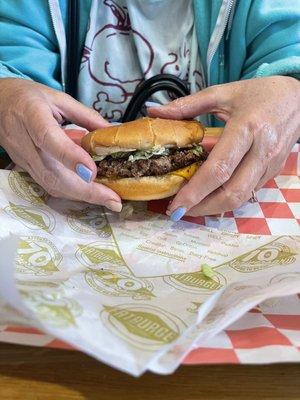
178	214
113	205
149	104
84	172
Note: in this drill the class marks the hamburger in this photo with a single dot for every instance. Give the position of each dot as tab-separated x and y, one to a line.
146	159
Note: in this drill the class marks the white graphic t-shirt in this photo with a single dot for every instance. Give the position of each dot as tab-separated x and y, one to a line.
129	41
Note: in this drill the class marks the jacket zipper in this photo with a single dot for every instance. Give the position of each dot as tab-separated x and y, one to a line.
226	10
60	34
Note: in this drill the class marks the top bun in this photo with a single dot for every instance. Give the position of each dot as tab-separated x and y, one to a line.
145	133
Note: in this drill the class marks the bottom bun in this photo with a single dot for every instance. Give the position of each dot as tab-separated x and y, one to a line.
145	188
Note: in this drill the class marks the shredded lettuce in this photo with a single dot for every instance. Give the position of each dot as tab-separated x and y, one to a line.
197	149
95	157
146	154
120	154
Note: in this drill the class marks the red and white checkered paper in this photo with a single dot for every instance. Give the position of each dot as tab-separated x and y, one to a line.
269	333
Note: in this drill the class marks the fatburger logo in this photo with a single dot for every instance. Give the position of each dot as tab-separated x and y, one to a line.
143	326
37	255
96	253
26	188
31	217
195	282
89	221
269	255
53	308
112	283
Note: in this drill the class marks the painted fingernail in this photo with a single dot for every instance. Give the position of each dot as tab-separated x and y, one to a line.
84	172
178	214
113	205
152	104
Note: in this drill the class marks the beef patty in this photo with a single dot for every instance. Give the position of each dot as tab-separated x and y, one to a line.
157	165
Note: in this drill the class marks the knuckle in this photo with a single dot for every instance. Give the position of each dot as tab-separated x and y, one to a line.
49	182
273	150
179	104
67	99
66	96
41	137
267	140
189	195
235	198
215	94
194	212
220	171
93	113
62	155
88	195
253	124
246	133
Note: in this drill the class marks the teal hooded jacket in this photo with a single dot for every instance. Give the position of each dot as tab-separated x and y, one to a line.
238	39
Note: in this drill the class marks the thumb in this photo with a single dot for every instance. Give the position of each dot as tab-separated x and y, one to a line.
79	114
208	100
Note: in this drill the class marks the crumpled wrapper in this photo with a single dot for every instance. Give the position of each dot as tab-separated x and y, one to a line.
130	290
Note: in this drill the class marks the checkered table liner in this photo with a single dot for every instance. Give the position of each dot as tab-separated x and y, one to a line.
269	333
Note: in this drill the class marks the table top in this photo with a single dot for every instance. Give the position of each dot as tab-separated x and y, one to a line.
39	373
44	373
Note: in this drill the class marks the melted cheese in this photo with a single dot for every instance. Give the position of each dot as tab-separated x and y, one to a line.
186	172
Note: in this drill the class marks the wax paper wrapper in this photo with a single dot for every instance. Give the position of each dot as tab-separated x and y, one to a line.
131	292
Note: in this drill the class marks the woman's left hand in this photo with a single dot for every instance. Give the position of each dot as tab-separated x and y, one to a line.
262	124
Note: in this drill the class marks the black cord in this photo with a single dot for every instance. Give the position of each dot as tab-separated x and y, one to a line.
73	56
152	85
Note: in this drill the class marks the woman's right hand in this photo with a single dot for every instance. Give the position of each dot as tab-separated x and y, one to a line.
30	114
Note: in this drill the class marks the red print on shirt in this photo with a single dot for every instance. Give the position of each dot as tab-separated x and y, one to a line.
114	88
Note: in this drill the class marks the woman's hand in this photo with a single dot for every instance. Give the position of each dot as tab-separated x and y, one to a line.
262	124
30	114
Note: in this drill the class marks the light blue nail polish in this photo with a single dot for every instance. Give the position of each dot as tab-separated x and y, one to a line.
152	104
84	172
178	214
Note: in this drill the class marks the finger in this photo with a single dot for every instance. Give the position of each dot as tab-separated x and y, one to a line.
234	192
217	169
64	183
35	166
75	134
210	100
49	137
209	142
72	110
